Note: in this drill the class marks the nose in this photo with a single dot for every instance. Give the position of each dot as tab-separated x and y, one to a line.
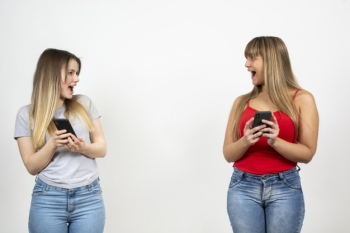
76	78
247	63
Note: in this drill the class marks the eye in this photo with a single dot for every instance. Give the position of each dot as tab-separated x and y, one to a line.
70	72
252	58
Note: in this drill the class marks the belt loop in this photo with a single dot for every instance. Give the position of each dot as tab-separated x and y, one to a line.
242	175
240	172
281	175
36	178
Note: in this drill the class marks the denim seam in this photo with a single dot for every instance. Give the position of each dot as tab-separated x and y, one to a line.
290	185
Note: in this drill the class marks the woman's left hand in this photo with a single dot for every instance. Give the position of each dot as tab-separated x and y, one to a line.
271	134
75	144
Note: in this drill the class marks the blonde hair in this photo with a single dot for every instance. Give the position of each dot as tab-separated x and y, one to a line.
46	93
278	77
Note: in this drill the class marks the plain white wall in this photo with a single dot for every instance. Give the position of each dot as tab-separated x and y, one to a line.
164	75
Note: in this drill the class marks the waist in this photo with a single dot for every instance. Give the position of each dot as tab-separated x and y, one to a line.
266	176
264	163
47	187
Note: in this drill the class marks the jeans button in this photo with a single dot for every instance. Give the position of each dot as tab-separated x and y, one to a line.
264	177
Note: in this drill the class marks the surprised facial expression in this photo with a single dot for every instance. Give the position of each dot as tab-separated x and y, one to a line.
255	65
69	79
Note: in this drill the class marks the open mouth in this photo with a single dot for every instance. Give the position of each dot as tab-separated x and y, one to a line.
253	74
71	88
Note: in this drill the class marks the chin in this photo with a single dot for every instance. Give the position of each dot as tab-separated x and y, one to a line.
68	97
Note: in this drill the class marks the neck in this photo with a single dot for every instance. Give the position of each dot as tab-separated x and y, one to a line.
60	103
263	89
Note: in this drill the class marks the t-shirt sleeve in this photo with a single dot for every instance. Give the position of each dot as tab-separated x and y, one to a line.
21	125
90	107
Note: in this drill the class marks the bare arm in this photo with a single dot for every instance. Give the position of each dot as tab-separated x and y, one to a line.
35	161
98	146
235	148
308	132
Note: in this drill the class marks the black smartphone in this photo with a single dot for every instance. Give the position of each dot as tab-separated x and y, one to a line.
262	115
64	124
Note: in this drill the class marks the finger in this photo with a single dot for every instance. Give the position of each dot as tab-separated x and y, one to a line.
59	132
267	122
71	142
267	130
270	123
268	135
256	135
64	135
248	124
62	142
258	128
75	139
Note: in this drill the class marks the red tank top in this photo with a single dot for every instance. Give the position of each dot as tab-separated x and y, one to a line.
261	158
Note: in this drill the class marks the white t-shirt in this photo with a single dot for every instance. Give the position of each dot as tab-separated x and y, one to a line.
67	169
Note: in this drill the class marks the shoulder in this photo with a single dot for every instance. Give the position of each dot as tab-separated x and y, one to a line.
304	96
82	98
239	99
23	111
237	103
304	99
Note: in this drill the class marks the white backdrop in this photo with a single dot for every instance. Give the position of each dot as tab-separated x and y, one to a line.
164	75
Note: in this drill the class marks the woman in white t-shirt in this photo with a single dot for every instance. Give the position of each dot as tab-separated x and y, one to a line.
67	195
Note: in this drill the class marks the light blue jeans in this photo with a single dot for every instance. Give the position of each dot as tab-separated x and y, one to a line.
265	203
60	210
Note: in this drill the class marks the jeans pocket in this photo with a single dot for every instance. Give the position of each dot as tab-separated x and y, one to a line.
235	179
292	180
96	189
38	190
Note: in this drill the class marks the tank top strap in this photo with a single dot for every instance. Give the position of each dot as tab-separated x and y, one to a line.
295	94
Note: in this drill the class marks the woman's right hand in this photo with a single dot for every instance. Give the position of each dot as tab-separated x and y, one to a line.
249	137
60	138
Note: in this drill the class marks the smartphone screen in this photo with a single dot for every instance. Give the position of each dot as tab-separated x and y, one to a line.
64	124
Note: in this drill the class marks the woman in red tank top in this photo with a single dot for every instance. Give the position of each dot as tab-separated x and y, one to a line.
265	193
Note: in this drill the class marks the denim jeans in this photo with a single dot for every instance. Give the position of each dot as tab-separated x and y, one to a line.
60	210
272	203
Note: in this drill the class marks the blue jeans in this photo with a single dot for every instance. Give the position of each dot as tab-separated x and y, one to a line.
60	210
272	203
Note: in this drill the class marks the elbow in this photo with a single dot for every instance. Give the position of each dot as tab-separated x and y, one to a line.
228	156
228	159
104	151
31	171
104	154
309	157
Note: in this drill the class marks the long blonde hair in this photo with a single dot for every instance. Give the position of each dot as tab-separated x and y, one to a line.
278	77
46	93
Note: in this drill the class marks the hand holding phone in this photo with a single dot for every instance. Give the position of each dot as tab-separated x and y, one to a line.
64	124
259	116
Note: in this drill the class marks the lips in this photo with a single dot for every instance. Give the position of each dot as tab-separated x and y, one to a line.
253	73
71	88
